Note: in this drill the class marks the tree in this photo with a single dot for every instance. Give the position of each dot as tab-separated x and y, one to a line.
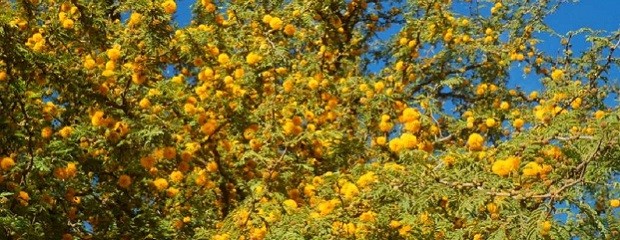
270	119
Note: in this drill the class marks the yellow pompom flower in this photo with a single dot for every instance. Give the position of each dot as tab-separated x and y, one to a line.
160	184
366	179
599	114
289	30
176	176
267	18
148	162
169	6
327	207
396	145
532	169
171	192
7	163
114	53
576	104
97	119
409	140
349	190
490	122
504	105
124	181
253	58
381	141
368	216
501	168
46	132
475	142
518	123
275	23
614	203
223	58
557	74
290	204
23	198
66	132
144	103
67	23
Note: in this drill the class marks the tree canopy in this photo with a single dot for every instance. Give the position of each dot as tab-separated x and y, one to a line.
273	119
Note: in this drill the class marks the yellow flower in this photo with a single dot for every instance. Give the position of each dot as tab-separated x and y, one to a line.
599	114
209	127
147	162
409	115
518	123
404	230
46	132
71	170
575	104
253	58
23	196
313	84
366	179
349	190
171	192
327	207
395	224
514	162
381	141
275	23
134	19
368	216
409	140
532	169
557	74
505	167
224	236
144	103
7	163
396	145
475	142
121	128
289	30
98	120
258	233
309	190
501	168
169	6
290	204
3	75
176	176
267	18
160	184
223	58
114	53
614	203
448	160
490	122
67	23
385	126
492	207
169	153
124	181
66	132
545	227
